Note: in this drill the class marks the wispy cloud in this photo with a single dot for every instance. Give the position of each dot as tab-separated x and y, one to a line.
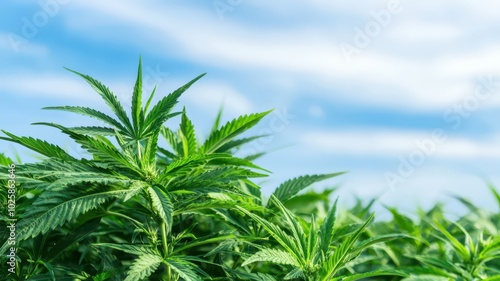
66	88
393	143
208	96
398	80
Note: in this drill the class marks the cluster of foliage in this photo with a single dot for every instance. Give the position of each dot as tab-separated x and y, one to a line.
152	203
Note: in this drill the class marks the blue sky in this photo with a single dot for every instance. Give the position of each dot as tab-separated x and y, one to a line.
402	94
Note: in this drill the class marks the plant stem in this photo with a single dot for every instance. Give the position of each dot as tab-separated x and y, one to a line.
138	144
139	224
169	273
206	241
164	237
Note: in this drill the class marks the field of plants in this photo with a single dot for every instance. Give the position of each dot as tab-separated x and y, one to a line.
151	202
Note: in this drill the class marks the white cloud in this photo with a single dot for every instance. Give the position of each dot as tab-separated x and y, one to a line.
478	62
209	95
420	32
317	6
307	53
428	185
395	143
235	46
316	111
64	87
46	85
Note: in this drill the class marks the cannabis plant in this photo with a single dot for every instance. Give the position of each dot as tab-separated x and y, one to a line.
128	183
154	202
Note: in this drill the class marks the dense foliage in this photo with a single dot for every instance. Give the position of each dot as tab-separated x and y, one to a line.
153	203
